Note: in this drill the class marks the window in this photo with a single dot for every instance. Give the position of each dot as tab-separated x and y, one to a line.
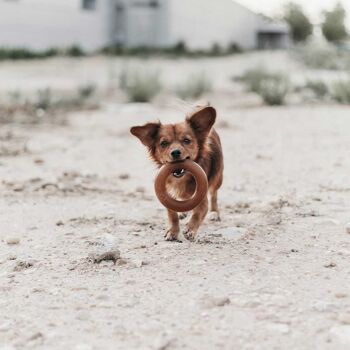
89	5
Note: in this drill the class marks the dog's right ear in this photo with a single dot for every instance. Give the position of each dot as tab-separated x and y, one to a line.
146	133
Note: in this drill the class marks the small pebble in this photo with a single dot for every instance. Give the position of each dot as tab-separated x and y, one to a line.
330	264
13	241
347	228
124	176
344	318
340	295
212	302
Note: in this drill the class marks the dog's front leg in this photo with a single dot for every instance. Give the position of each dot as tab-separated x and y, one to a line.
196	220
172	233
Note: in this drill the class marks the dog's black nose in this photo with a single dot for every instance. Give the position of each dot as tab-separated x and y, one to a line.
176	154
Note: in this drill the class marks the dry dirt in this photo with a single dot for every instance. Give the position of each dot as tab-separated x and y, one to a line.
273	274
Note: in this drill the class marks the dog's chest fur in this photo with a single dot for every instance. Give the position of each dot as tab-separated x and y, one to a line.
181	188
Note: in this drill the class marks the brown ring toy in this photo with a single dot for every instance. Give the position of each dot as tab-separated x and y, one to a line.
201	185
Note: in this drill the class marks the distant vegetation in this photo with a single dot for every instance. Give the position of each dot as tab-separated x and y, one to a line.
272	87
341	91
194	87
300	25
333	26
140	85
180	49
26	54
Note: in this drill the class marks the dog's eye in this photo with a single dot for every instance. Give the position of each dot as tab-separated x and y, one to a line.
187	141
164	144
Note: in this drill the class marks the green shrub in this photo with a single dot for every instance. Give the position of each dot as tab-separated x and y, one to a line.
254	77
195	86
300	25
44	99
140	86
320	57
318	87
333	26
86	91
25	54
341	91
272	87
75	51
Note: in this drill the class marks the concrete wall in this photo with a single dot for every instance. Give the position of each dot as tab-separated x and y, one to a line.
146	25
201	23
42	24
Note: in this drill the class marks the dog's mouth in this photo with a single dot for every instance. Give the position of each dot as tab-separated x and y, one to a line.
178	173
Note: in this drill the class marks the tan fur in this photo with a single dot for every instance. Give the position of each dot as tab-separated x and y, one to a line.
195	139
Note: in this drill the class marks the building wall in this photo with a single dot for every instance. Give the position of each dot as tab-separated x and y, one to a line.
42	24
201	23
145	25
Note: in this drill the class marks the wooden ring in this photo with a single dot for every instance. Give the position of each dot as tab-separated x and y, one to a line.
201	185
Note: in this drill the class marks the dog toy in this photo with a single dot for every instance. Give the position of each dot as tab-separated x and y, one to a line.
178	169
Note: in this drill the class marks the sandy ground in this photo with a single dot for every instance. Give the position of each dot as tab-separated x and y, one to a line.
273	274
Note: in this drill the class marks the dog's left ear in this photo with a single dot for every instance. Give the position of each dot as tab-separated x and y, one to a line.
202	121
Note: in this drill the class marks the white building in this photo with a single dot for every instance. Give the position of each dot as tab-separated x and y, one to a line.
92	24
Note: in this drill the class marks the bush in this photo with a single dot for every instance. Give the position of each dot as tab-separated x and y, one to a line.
195	86
86	91
333	26
272	87
320	56
179	49
140	86
299	23
318	87
254	77
341	91
75	51
44	99
25	54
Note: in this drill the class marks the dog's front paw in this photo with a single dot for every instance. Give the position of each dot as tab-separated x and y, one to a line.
172	234
190	233
214	216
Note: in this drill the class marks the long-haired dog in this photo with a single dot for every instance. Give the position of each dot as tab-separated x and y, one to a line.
194	139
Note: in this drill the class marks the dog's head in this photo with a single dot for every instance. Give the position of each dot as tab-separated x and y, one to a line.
175	142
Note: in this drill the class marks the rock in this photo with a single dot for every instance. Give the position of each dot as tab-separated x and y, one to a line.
340	295
347	228
22	265
341	334
209	302
36	336
106	250
12	241
330	265
124	176
108	256
279	327
139	263
162	343
4	327
344	318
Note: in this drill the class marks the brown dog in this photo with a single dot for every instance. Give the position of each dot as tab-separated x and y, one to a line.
193	139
